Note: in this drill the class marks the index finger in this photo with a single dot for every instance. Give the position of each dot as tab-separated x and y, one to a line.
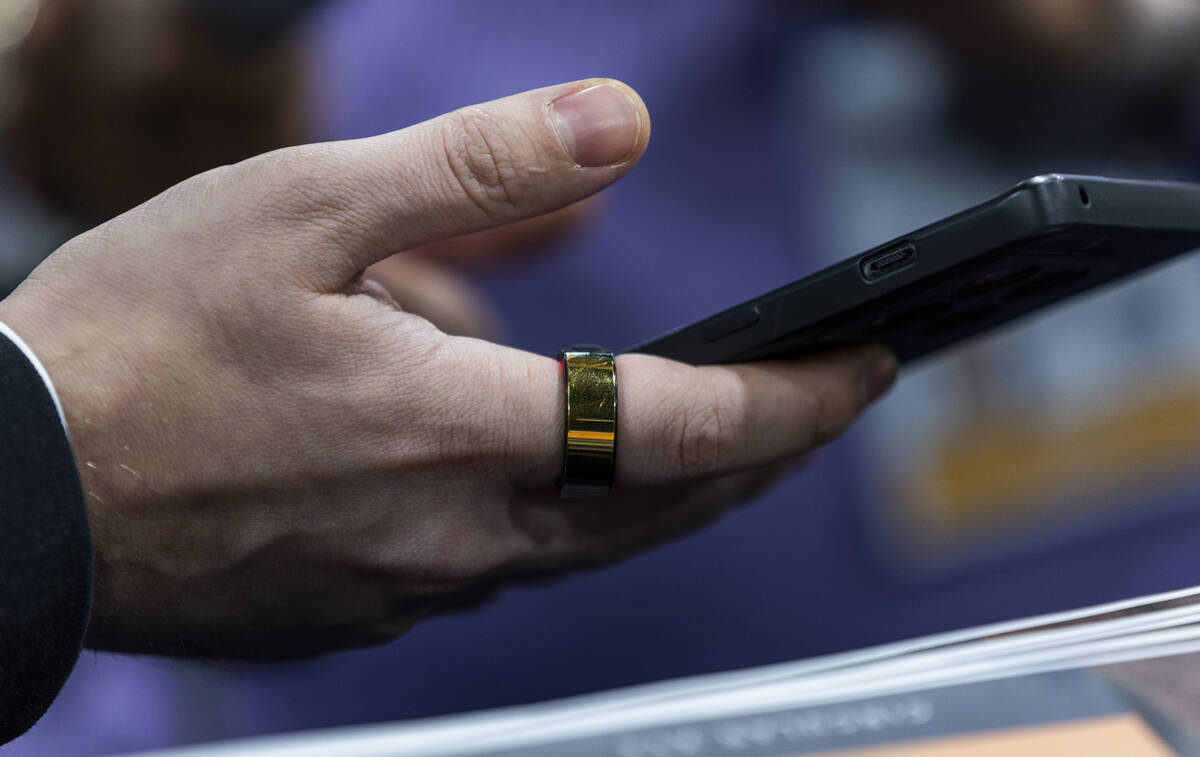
681	423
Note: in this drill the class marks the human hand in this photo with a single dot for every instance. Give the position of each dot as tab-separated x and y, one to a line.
277	460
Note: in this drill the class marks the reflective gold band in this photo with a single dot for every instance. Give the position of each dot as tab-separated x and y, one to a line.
590	453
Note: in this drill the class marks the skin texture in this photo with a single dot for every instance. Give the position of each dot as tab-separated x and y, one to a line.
278	460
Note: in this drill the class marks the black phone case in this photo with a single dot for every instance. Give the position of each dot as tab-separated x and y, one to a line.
1046	239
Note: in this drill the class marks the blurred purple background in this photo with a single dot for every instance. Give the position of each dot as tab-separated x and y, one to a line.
786	135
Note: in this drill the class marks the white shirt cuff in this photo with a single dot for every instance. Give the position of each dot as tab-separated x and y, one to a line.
37	364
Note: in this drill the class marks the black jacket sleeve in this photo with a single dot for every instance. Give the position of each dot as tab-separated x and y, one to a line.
45	547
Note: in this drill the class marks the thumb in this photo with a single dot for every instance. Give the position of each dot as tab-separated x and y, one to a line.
477	168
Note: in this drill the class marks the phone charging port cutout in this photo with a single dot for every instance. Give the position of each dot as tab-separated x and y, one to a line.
892	260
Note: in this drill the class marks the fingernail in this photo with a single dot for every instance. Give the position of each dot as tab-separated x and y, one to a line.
597	125
878	375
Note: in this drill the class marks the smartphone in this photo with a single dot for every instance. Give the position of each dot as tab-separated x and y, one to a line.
1048	238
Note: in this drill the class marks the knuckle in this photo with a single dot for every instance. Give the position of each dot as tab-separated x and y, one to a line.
510	440
455	550
703	432
465	421
460	556
299	185
479	162
824	413
523	450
